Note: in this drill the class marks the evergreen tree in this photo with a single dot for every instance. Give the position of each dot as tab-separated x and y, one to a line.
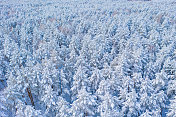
109	106
172	108
131	106
3	105
84	105
62	107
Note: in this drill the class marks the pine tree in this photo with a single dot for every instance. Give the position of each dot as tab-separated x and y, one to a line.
109	106
146	114
95	80
146	91
172	108
3	107
49	98
131	106
79	80
62	107
3	68
64	84
26	110
84	105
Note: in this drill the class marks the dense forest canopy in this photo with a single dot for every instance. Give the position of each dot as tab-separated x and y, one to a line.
88	58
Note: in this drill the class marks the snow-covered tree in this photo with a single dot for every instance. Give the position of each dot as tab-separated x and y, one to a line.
146	92
146	114
84	105
3	105
131	105
91	58
172	108
26	110
109	106
95	80
62	107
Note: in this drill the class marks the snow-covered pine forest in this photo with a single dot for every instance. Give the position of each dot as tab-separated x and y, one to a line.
80	58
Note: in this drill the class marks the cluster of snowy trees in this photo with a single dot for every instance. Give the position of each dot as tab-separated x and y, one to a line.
118	61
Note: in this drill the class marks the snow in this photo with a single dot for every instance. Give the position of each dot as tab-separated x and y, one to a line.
87	58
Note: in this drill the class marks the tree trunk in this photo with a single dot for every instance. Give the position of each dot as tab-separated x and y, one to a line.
30	96
161	112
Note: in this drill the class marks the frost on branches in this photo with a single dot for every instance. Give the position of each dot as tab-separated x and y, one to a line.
114	58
